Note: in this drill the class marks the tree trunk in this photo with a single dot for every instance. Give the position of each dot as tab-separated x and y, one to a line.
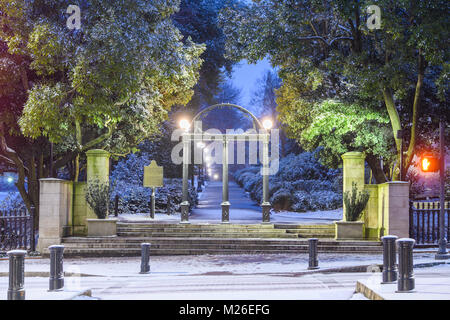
395	123
416	108
377	171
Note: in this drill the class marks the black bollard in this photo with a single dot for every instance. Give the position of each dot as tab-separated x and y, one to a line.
405	281
16	290
389	274
56	281
313	261
145	258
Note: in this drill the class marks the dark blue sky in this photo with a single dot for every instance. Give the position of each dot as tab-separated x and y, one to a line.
245	77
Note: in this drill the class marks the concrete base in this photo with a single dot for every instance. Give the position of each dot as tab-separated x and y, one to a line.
44	243
102	227
349	230
440	256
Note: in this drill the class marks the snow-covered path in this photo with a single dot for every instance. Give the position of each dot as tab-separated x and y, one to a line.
243	210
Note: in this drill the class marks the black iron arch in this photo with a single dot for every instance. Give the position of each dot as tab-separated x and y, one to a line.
230	105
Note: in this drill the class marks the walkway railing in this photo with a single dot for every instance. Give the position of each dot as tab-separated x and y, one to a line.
17	230
424	221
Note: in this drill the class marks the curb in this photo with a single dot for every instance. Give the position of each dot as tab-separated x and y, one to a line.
367	292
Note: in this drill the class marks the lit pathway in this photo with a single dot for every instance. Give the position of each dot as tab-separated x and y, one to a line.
244	210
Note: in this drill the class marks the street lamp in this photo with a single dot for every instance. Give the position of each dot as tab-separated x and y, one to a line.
442	252
10	179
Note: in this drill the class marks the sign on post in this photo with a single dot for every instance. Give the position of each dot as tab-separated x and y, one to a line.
153	175
153	178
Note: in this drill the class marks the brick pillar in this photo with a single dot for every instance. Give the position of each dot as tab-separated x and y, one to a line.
394	208
55	212
353	171
97	165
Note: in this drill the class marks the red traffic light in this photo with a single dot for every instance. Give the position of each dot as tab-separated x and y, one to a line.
429	163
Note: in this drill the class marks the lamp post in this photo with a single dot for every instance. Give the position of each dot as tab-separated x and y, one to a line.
442	252
267	124
184	124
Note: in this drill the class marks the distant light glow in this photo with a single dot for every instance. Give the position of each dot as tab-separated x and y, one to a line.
10	179
200	144
216	176
267	124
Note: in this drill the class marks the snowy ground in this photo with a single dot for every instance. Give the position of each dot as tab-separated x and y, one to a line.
234	277
243	210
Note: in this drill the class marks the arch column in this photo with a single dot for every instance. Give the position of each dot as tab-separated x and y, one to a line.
265	175
225	200
186	159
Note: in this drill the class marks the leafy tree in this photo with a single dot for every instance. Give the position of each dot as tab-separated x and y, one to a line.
198	19
325	51
107	85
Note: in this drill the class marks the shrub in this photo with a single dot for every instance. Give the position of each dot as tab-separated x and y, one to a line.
355	202
97	196
301	184
13	201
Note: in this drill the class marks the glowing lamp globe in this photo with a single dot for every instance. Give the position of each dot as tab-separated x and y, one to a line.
267	124
184	124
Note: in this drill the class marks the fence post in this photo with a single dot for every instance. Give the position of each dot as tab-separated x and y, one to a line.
406	282
145	258
116	205
33	235
56	281
313	261
16	290
389	259
169	210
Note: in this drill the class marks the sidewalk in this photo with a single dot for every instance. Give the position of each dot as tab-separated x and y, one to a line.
432	283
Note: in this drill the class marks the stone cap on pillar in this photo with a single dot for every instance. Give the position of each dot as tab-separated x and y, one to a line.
97	153
353	155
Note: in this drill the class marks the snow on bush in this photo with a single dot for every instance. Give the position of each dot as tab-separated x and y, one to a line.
13	201
301	184
128	177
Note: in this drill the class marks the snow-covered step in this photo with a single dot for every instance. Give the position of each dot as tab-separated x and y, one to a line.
122	246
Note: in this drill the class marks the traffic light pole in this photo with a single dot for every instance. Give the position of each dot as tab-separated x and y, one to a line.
442	252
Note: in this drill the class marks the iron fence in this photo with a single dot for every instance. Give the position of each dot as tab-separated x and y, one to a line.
17	230
424	221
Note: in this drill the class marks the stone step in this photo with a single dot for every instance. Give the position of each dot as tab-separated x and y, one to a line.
246	247
138	241
304	226
196	225
206	234
112	252
200	230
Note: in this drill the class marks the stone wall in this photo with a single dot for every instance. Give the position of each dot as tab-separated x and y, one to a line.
387	211
62	206
55	208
